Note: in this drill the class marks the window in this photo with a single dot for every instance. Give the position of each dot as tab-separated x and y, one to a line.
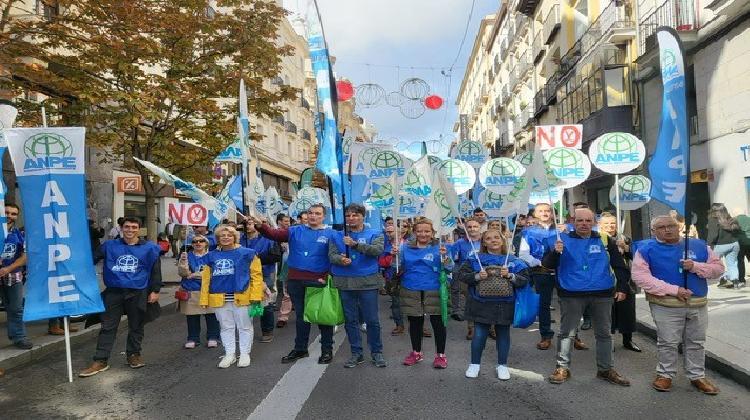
276	143
48	8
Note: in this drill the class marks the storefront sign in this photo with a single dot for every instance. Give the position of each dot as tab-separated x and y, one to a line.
129	184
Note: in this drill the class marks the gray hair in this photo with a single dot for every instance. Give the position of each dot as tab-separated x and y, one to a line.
656	219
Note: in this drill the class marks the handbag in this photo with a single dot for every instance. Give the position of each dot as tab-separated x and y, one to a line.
494	285
526	307
182	295
323	305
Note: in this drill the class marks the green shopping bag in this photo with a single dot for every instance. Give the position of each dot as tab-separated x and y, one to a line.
255	310
323	305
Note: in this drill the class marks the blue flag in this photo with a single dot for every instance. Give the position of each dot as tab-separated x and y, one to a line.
49	164
235	192
670	164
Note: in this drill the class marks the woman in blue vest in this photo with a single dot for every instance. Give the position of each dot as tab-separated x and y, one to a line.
189	268
492	277
355	270
232	280
420	263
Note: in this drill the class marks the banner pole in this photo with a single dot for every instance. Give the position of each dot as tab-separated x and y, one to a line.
44	117
473	248
617	203
67	349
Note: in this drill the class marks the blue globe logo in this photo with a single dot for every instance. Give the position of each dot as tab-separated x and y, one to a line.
563	158
470	148
618	143
453	168
636	184
224	264
47	144
126	263
9	251
386	160
367	154
383	194
503	167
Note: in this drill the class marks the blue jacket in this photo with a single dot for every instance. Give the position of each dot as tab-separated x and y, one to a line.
462	249
230	270
362	264
262	247
131	266
537	237
664	261
13	248
308	248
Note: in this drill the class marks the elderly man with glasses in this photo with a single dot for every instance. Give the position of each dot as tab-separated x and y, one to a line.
676	289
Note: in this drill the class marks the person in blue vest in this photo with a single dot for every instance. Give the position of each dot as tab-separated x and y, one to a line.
389	274
308	266
532	248
676	289
492	306
132	274
355	270
232	280
270	253
189	268
12	263
590	274
203	231
461	251
420	263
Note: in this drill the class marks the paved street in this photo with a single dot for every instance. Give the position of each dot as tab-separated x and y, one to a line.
179	383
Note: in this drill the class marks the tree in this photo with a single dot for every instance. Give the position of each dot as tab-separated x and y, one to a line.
148	78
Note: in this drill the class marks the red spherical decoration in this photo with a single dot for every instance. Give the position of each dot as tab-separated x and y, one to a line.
433	102
344	90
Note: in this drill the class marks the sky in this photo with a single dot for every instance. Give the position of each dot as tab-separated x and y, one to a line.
410	34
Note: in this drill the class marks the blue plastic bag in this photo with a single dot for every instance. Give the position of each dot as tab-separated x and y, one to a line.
527	307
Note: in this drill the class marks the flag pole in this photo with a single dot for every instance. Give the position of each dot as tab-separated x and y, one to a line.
617	203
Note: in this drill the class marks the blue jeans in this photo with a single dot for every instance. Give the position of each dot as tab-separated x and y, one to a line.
267	319
730	253
481	331
296	290
396	311
194	327
13	298
544	285
366	302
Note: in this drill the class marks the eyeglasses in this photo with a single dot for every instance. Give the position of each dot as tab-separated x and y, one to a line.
199	241
666	227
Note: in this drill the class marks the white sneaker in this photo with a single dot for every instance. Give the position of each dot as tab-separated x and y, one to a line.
227	361
503	373
472	371
244	361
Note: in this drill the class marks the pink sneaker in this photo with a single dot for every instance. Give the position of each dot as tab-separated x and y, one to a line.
413	358
441	362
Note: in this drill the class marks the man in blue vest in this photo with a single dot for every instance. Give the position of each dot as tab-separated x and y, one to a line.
590	273
12	262
132	274
355	270
676	289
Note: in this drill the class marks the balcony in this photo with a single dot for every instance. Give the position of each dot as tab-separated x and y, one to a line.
305	134
511	32
521	24
484	94
551	25
498	104
279	119
504	48
304	103
674	14
538	48
550	89
616	24
496	66
515	76
540	102
290	127
524	63
505	94
527	7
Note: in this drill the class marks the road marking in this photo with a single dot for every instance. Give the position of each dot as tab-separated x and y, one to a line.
289	395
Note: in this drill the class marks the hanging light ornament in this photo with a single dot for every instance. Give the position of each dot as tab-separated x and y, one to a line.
412	108
415	88
344	90
395	99
370	95
433	102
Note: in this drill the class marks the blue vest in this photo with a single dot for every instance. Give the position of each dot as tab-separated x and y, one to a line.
462	250
584	265
664	262
515	265
128	266
421	267
308	249
262	246
230	270
13	248
362	265
195	264
536	237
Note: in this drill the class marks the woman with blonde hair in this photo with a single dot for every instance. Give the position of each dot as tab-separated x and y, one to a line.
189	268
232	280
420	263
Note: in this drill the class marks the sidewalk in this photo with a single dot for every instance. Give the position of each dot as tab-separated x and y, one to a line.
728	335
11	357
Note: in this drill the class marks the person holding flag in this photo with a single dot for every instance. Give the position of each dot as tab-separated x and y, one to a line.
420	263
189	268
132	274
462	251
354	266
492	276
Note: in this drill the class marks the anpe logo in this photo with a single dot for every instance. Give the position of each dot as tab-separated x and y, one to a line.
446	217
416	184
126	264
48	151
9	251
524	158
634	189
383	197
565	163
470	151
669	67
502	172
223	267
384	163
617	147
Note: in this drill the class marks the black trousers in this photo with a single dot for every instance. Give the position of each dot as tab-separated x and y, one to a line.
118	302
623	315
744	254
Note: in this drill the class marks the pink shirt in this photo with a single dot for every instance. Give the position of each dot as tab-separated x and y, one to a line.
641	274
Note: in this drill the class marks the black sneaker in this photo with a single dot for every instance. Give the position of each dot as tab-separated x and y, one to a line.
354	360
23	344
294	355
378	360
326	357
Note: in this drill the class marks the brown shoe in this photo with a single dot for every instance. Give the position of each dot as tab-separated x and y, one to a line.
398	330
613	377
426	332
662	384
281	324
578	344
470	333
559	376
135	361
705	386
96	367
544	344
72	328
56	330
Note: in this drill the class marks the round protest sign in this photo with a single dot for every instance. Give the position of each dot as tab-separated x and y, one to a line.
472	152
617	153
459	174
384	163
635	192
500	175
494	206
570	166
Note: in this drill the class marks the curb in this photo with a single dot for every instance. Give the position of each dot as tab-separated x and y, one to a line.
25	357
718	364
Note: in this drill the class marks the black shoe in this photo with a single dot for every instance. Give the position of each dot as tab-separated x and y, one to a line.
586	324
326	357
294	355
457	317
23	344
632	346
